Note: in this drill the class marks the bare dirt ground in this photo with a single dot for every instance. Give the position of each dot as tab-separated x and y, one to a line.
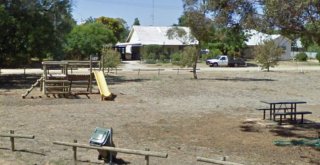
211	117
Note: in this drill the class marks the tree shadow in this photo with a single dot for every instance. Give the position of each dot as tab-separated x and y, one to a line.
237	79
18	81
294	129
115	161
25	151
111	79
249	126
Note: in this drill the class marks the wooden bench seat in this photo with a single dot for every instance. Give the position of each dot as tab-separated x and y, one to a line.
283	114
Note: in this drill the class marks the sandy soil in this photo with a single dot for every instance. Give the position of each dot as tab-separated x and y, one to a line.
211	117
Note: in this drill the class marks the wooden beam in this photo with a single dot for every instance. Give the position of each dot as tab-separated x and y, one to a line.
201	159
18	136
121	150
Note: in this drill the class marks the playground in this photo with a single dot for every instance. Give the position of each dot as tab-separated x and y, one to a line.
212	117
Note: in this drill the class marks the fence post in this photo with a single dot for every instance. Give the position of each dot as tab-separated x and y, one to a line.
158	72
74	152
139	72
12	140
146	158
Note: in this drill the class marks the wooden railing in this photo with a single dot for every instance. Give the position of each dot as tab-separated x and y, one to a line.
12	136
146	153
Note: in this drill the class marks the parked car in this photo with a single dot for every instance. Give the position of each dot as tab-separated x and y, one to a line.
224	60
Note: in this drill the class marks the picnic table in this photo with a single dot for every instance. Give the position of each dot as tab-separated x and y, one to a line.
283	108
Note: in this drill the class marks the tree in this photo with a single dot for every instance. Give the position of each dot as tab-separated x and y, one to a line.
189	54
113	24
290	18
228	40
200	25
111	58
87	39
136	22
268	54
33	28
187	39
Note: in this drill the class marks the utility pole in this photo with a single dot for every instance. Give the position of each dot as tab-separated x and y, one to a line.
152	12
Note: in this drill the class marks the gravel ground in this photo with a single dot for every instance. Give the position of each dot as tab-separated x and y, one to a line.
211	117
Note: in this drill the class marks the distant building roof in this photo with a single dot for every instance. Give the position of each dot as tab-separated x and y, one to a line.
256	38
155	35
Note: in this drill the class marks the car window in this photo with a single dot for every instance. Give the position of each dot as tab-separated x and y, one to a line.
223	58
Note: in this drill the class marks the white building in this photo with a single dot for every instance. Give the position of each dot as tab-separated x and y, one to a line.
141	36
257	38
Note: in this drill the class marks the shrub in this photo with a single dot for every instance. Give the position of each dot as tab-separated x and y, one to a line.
150	61
111	58
318	56
176	58
267	54
152	52
301	57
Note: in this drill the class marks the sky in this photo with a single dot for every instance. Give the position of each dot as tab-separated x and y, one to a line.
166	12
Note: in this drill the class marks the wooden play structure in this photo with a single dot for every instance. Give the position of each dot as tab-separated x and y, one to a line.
59	79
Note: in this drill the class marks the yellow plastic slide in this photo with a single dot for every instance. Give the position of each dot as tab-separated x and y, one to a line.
102	84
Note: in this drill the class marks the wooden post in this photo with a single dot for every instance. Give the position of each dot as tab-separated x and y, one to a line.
45	74
24	75
139	72
90	83
12	140
74	148
110	142
146	158
158	72
102	63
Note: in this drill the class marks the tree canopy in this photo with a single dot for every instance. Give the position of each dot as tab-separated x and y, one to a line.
291	18
117	26
33	28
88	39
268	54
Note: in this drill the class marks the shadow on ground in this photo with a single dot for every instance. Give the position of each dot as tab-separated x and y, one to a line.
237	79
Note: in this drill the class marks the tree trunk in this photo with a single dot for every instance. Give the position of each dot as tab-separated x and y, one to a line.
195	76
195	70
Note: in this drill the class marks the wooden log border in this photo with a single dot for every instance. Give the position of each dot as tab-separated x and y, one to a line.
214	161
147	153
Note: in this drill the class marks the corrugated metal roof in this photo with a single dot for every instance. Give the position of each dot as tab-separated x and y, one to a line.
256	38
155	35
